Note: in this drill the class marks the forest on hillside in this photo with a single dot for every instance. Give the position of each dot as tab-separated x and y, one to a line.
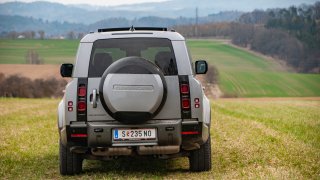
291	34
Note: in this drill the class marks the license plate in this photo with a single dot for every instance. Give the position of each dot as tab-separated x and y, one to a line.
134	134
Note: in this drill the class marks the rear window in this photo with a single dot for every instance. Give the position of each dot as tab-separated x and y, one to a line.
157	50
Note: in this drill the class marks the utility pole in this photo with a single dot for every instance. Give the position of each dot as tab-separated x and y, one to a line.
196	25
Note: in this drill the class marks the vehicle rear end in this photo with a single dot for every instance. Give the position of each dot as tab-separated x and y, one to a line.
133	93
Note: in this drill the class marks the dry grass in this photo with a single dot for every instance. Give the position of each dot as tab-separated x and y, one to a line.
251	139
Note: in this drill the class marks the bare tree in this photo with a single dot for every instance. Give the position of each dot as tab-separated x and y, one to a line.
12	35
80	35
41	34
71	35
32	57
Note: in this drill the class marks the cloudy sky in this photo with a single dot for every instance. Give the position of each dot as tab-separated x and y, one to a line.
91	2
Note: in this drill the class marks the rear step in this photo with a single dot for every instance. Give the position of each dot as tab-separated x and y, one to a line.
141	150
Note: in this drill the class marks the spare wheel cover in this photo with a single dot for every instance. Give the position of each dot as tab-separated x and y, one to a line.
132	90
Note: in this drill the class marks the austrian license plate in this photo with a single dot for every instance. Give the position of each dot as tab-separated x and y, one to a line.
134	134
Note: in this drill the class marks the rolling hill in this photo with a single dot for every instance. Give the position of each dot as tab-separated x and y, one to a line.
241	73
170	9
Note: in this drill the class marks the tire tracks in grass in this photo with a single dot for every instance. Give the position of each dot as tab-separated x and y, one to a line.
238	89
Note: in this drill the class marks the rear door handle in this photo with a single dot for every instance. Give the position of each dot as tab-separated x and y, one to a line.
94	98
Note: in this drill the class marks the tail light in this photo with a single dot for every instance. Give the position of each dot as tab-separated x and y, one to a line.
184	88
82	100
82	91
82	106
185	97
185	103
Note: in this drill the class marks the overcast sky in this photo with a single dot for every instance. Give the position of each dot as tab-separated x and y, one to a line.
91	2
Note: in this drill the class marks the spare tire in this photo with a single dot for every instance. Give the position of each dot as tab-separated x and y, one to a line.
132	90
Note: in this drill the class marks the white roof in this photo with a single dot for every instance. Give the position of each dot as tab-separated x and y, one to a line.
173	36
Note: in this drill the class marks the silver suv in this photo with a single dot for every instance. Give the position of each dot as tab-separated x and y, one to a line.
133	93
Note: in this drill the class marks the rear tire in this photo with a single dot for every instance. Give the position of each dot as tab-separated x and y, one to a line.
200	159
70	163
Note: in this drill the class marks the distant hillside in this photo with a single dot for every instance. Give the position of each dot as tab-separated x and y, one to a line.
55	28
59	12
20	24
87	14
80	14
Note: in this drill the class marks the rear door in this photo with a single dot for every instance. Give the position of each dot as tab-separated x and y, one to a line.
157	50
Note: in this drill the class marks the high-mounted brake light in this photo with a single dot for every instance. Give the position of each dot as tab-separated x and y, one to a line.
184	88
82	106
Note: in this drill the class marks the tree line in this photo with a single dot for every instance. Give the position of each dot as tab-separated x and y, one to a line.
291	34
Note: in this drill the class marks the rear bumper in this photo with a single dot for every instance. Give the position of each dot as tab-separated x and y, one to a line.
169	133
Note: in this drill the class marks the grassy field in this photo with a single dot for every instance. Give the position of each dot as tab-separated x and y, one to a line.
251	138
51	51
243	74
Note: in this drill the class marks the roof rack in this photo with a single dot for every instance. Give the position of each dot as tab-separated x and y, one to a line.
134	29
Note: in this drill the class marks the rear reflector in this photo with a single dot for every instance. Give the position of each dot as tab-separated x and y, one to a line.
189	132
184	88
82	91
185	103
79	135
82	106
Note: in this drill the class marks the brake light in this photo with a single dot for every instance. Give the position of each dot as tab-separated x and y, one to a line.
185	97
82	91
184	88
82	106
185	103
81	103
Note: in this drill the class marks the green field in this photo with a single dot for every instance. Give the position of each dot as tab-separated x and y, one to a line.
242	74
51	51
251	139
